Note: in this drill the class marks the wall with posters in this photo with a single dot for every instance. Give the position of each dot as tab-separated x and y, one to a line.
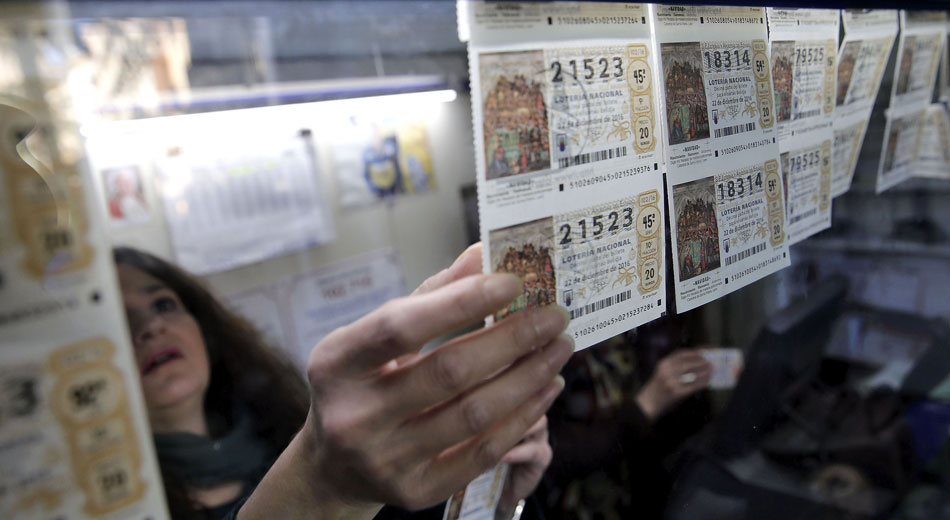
405	223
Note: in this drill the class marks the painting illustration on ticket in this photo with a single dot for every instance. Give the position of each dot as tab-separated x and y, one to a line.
570	187
727	202
804	45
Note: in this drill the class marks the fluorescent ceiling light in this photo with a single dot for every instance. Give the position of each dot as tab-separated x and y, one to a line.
411	103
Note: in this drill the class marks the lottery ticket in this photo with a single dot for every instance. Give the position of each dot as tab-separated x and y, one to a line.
933	151
479	499
899	153
868	38
944	88
726	195
74	438
569	181
727	365
803	46
923	35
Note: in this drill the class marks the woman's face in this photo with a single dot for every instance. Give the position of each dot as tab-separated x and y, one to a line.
169	348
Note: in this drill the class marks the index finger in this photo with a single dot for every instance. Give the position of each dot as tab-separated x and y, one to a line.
467	264
403	325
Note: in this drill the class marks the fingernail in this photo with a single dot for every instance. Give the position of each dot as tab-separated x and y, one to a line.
559	379
465	253
551	319
561	351
502	286
570	341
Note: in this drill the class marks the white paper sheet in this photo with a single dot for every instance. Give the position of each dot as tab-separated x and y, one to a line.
235	202
297	312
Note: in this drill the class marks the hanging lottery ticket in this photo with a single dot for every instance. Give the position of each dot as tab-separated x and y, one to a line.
570	191
74	438
933	156
726	203
944	81
804	45
923	35
868	39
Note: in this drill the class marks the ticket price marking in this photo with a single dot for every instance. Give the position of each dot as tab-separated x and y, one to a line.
640	83
649	221
824	193
89	401
773	193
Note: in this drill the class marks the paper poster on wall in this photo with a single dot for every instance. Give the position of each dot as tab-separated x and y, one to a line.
262	307
378	158
125	195
569	188
868	38
923	36
241	200
804	44
297	312
726	196
74	438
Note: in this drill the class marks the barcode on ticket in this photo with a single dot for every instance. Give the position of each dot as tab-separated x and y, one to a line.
584	158
737	129
742	255
804	215
600	304
807	113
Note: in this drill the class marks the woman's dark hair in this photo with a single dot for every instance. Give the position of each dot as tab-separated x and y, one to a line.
244	369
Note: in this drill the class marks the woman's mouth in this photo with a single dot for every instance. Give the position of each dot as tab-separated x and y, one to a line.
159	358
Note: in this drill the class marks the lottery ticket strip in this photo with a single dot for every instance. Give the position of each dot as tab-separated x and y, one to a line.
754	117
922	39
570	187
726	201
862	56
804	44
74	441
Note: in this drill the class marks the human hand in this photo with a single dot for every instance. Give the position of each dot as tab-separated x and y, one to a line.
677	376
528	461
390	426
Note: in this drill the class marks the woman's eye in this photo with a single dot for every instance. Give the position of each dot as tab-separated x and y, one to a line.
165	304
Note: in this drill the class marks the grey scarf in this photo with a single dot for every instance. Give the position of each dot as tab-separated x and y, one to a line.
204	462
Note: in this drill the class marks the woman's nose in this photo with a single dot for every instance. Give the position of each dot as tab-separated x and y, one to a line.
152	326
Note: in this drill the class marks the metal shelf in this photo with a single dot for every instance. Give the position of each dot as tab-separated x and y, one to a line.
876	246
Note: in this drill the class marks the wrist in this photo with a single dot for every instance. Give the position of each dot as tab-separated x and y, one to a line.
647	404
295	487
